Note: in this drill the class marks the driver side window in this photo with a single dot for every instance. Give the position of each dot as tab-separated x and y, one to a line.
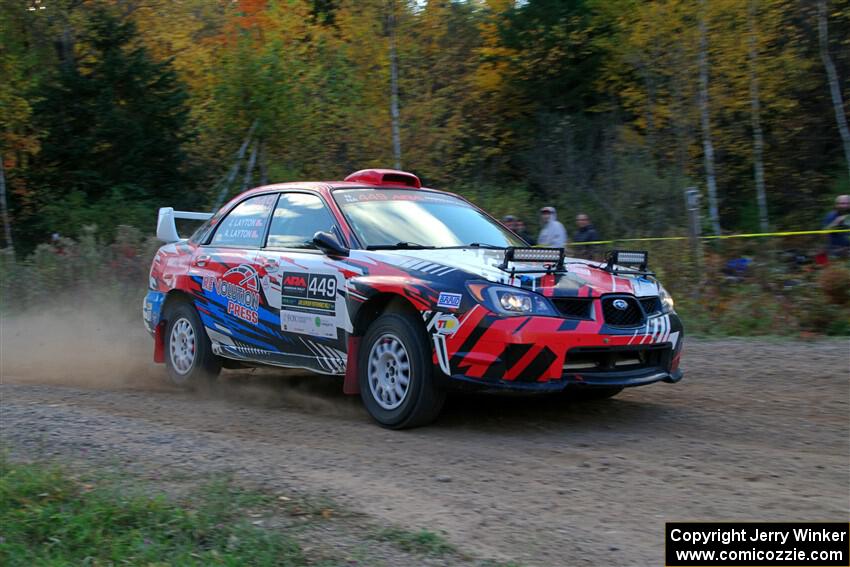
296	219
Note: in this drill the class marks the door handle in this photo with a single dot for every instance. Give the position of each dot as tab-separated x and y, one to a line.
202	260
268	262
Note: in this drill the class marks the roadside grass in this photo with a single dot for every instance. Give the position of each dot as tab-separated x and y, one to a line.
49	518
422	541
53	515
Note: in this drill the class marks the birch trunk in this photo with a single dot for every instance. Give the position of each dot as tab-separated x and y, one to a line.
755	120
4	210
394	114
832	78
707	146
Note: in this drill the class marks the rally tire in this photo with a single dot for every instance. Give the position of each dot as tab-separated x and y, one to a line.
396	373
189	358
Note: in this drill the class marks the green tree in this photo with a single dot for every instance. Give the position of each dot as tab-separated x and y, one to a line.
114	122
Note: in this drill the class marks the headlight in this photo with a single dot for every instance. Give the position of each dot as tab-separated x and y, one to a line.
666	300
506	300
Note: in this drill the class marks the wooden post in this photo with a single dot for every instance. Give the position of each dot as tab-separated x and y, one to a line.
692	197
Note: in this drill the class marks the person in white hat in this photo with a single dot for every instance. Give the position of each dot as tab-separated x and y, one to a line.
552	232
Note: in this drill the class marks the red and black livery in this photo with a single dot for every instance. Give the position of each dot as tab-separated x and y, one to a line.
404	291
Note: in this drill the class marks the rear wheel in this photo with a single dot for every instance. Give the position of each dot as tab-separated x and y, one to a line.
188	351
396	373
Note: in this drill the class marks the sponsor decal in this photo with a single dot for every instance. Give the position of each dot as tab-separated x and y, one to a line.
308	304
447	324
440	323
240	286
404	195
449	300
307	324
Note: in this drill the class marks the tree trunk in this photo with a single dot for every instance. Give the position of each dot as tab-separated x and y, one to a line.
832	78
755	120
4	210
396	127
249	169
707	146
231	176
264	171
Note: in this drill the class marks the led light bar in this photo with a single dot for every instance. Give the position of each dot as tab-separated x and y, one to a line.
537	255
637	258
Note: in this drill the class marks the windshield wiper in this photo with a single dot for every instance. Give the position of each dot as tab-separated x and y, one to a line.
480	245
473	245
397	245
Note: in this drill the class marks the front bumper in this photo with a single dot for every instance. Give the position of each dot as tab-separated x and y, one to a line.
551	354
612	380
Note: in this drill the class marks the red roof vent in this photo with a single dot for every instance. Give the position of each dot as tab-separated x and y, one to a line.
385	177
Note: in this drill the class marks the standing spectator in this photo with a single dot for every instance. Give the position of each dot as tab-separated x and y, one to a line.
517	226
522	231
839	243
586	233
552	232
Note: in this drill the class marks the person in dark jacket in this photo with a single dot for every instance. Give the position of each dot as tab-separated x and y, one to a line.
585	233
518	227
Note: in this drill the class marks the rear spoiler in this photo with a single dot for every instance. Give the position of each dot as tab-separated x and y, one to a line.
166	229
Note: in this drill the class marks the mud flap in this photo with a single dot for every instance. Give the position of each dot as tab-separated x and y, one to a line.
159	343
351	385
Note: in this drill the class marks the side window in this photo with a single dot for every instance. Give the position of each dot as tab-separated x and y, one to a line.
297	218
245	225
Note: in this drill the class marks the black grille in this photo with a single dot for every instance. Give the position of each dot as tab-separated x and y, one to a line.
574	307
606	359
651	305
631	316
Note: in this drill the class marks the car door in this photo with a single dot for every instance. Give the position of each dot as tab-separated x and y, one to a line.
306	286
226	283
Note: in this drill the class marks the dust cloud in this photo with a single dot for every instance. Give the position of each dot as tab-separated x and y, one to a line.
92	346
106	346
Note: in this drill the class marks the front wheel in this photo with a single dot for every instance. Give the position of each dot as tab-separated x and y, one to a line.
396	373
188	352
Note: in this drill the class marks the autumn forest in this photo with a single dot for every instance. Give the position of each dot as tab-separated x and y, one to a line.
111	109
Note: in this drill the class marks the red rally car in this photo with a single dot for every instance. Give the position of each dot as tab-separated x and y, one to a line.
404	291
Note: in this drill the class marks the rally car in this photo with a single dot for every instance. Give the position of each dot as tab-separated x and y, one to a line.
404	291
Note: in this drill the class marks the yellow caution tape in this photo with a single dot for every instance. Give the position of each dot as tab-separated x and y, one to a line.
721	237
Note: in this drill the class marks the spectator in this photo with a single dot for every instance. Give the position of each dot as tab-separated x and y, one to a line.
517	226
523	233
510	222
552	232
839	243
586	233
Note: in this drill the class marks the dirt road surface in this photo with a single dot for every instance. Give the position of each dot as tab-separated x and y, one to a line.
757	430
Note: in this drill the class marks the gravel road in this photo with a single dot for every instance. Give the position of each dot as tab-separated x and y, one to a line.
757	430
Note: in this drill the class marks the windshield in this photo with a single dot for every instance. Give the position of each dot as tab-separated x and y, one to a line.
413	218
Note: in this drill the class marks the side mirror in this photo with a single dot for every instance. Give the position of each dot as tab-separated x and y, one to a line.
329	244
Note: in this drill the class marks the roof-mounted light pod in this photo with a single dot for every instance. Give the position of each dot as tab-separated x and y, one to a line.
388	177
636	259
552	256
